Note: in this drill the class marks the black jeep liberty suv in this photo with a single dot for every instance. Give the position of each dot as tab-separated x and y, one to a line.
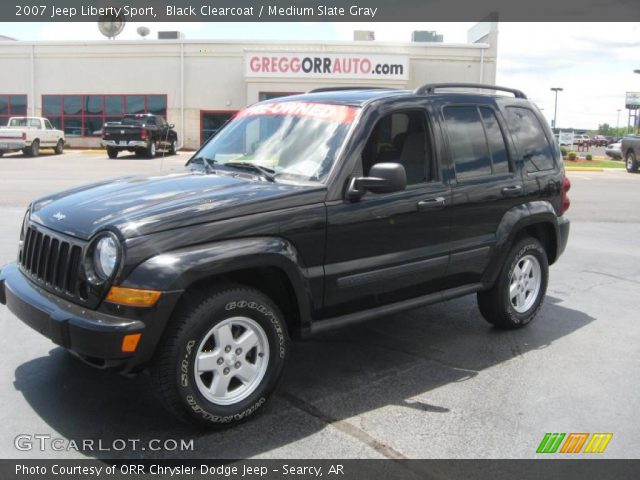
304	213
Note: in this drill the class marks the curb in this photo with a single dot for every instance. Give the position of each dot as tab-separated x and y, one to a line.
585	169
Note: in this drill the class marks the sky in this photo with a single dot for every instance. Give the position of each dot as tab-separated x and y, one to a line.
592	62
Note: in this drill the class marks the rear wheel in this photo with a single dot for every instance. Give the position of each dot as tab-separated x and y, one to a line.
1	153
59	148
516	297
34	149
631	162
222	358
112	152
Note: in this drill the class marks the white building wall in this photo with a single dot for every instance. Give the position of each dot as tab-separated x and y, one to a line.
213	72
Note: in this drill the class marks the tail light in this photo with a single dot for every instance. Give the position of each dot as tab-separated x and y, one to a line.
144	134
24	135
565	202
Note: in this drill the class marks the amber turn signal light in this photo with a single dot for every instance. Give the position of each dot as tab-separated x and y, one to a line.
133	296
130	342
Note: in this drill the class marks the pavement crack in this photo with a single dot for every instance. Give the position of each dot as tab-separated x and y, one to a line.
343	426
610	275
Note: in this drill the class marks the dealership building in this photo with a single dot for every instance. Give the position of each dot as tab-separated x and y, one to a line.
198	84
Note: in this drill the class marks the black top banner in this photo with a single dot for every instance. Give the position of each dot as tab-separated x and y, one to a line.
318	10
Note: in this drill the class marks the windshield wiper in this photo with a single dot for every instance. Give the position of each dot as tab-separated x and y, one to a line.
208	163
266	172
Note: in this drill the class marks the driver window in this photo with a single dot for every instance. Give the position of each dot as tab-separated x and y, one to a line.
47	125
401	137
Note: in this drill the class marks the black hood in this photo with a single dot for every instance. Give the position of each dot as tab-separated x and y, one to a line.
137	206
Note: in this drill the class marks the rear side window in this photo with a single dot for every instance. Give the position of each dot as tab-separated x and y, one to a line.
531	141
476	142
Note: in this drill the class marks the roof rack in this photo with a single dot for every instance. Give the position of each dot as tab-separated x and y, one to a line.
337	89
430	87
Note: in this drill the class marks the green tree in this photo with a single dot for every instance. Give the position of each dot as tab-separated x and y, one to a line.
604	129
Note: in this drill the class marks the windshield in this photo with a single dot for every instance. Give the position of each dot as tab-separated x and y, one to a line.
295	140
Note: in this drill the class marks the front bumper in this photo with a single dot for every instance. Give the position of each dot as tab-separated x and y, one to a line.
124	144
93	335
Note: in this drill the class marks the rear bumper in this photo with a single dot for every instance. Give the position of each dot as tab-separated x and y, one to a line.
93	335
13	144
564	226
125	145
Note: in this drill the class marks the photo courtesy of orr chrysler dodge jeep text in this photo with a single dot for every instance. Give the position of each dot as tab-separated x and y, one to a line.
303	214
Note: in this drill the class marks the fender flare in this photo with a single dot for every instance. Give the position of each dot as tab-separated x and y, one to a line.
512	223
178	269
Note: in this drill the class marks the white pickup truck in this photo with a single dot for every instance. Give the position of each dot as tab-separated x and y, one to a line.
30	134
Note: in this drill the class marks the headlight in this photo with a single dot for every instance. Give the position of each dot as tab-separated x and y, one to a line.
105	257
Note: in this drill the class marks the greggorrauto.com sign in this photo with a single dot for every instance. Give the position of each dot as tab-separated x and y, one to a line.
326	65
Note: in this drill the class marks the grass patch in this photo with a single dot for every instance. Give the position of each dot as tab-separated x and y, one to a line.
595	164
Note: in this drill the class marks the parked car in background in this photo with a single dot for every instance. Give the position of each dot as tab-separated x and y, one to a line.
581	139
145	134
30	134
614	150
600	141
630	147
202	276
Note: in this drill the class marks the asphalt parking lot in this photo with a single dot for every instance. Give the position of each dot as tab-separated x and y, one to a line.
437	382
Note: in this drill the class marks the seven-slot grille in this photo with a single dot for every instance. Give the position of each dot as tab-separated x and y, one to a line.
51	260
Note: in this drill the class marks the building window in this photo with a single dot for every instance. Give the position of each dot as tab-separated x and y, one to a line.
262	96
12	106
212	120
85	115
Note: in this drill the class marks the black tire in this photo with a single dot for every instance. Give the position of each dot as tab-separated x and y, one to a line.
173	149
34	149
151	150
173	367
59	148
631	162
1	153
496	305
112	152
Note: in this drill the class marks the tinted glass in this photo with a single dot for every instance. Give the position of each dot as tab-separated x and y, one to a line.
73	126
93	105
114	104
211	123
18	104
4	104
56	122
51	104
72	105
497	145
47	124
157	104
135	103
93	126
467	142
531	141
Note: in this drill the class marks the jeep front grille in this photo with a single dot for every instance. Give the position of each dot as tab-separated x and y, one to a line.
50	260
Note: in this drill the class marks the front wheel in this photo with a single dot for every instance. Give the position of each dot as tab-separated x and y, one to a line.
631	162
173	149
516	297
151	149
59	148
222	359
112	152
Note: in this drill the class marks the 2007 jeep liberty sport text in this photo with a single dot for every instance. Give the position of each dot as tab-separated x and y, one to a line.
304	213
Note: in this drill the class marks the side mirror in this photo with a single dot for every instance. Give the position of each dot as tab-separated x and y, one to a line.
383	178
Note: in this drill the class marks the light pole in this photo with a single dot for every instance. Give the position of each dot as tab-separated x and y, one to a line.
555	108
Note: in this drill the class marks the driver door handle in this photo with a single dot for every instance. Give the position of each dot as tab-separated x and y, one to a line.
431	204
512	190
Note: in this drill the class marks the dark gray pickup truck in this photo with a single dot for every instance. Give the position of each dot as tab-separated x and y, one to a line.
143	134
630	148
